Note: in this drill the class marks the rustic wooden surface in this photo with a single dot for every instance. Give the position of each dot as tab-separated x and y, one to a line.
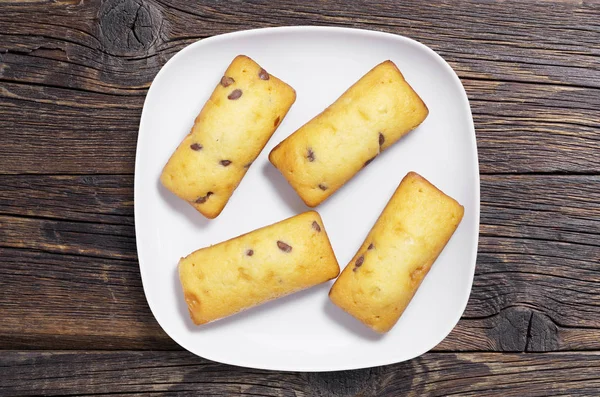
73	77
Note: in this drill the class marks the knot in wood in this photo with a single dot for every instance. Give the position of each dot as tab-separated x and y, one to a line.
129	27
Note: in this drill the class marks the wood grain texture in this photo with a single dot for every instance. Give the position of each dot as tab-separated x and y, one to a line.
63	301
180	373
81	71
535	287
73	78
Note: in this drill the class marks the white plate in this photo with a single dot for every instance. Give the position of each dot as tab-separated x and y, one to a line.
304	331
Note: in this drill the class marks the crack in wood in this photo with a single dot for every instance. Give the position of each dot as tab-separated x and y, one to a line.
528	336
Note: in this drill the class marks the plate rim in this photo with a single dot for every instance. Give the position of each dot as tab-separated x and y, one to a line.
364	363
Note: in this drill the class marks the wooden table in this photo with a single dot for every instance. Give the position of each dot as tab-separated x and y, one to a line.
73	78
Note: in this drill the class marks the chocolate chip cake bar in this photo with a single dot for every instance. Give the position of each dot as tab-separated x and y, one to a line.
331	148
233	127
411	232
254	268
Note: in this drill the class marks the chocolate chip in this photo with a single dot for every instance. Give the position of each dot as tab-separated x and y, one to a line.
263	74
311	155
371	246
369	161
284	247
227	81
381	139
196	146
322	187
250	252
358	262
225	163
316	226
202	200
276	122
235	94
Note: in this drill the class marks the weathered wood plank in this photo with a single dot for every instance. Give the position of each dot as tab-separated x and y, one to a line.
69	302
65	301
83	238
555	208
551	208
512	40
78	75
104	199
535	287
181	373
520	128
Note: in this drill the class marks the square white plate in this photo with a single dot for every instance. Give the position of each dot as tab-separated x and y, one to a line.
304	331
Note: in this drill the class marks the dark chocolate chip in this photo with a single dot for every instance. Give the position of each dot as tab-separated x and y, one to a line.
196	146
235	94
371	246
369	161
359	262
250	252
322	187
311	155
263	74
316	226
227	81
225	163
202	200
381	139
284	247
276	122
